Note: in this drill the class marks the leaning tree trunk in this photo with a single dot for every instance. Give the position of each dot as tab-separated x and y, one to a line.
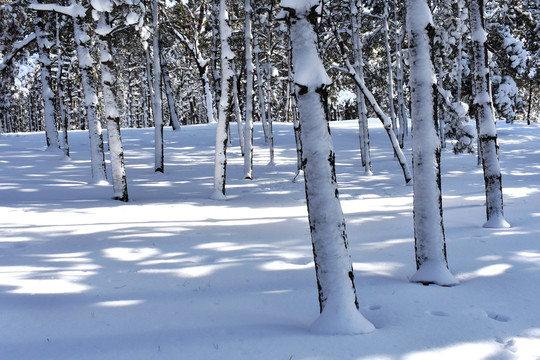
335	277
44	45
86	66
108	80
222	129
168	90
487	132
430	245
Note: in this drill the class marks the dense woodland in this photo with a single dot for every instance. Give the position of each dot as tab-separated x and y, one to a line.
189	51
127	63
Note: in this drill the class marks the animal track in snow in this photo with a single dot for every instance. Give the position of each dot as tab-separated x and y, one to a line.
498	317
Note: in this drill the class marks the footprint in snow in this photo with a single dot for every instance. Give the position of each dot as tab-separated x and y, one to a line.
498	317
374	307
438	313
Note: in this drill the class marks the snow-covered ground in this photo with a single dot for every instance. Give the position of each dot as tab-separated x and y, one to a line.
175	275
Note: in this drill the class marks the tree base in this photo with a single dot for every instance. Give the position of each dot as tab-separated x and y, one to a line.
341	319
218	195
497	222
434	272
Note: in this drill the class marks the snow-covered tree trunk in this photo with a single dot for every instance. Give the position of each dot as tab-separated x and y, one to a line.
168	90
487	132
248	128
222	129
387	123
294	109
108	82
335	277
157	109
430	244
237	110
389	65
260	89
356	10
268	86
64	117
88	79
401	107
44	45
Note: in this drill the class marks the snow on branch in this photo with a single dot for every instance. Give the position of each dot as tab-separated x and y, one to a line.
73	10
16	48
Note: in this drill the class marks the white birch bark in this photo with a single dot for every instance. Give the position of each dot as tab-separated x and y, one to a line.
430	244
112	114
222	128
335	277
487	132
248	128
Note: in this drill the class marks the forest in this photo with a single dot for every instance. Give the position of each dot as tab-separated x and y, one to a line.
433	79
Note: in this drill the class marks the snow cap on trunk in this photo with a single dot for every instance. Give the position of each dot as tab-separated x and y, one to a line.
418	15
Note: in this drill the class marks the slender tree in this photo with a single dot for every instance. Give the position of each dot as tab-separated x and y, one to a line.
222	129
112	113
43	29
487	132
335	277
430	244
248	128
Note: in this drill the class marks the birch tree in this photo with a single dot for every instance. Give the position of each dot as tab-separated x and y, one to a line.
430	243
81	26
335	277
487	132
248	127
43	29
157	105
356	10
222	128
112	114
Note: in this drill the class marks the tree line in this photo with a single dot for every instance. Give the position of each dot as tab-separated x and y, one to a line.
82	64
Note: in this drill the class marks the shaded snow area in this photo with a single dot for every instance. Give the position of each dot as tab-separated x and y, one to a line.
175	275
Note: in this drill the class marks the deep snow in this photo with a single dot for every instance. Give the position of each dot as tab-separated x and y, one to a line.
175	275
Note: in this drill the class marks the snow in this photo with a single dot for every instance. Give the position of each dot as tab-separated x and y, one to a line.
132	18
174	275
102	5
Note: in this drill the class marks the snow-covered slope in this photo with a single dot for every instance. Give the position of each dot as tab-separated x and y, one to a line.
175	275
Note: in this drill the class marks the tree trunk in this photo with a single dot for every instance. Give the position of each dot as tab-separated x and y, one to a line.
335	277
237	110
88	80
248	128
262	108
168	90
108	81
42	29
157	109
358	63
487	132
430	245
222	129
